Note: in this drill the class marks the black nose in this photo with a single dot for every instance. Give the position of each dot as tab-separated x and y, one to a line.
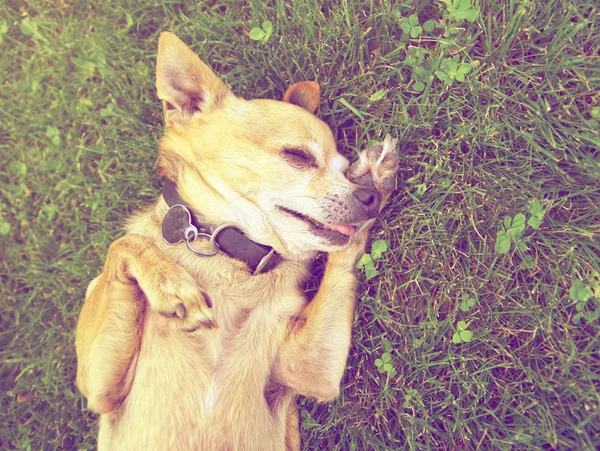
369	199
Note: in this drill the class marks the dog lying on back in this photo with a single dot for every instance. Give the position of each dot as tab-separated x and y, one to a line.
180	351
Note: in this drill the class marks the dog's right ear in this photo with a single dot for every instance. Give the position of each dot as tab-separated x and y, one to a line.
305	94
184	83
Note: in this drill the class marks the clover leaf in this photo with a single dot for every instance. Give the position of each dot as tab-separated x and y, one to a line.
451	70
462	334
378	248
411	26
467	302
263	33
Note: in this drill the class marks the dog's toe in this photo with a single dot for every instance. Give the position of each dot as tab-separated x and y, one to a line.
387	184
374	152
198	314
179	298
180	311
390	162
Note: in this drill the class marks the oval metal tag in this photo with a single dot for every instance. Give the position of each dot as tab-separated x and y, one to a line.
177	225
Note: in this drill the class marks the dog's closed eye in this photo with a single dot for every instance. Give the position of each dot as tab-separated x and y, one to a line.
299	158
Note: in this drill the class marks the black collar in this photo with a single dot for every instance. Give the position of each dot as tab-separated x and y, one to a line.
180	224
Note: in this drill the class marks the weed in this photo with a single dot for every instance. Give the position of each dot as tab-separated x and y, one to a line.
378	248
462	334
307	421
450	70
593	122
537	214
513	231
107	111
421	72
262	33
461	10
54	134
3	29
18	168
29	27
581	294
513	228
429	26
366	261
409	397
4	227
386	365
467	302
378	95
411	26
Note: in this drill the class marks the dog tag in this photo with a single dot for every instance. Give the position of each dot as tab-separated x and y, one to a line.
177	225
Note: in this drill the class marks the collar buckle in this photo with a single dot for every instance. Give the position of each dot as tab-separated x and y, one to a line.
263	262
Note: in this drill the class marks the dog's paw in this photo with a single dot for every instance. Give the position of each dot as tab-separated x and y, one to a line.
173	293
377	167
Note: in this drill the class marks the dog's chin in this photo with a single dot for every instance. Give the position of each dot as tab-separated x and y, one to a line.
326	237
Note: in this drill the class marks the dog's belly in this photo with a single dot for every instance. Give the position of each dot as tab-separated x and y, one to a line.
190	392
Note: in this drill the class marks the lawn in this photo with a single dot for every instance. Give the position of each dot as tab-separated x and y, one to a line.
481	328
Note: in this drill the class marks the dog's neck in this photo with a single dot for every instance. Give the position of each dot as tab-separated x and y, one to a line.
223	206
181	223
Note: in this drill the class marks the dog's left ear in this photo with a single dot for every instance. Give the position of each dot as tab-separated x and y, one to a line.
184	83
305	94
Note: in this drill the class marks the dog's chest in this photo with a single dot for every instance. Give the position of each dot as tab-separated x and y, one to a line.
209	387
253	314
222	376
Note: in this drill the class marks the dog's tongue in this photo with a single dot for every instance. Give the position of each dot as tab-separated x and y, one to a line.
345	229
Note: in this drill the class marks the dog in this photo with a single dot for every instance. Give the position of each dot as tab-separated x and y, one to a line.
197	335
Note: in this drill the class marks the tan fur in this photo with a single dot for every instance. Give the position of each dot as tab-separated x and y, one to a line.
230	384
305	94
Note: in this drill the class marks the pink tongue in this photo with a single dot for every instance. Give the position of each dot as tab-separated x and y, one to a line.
344	229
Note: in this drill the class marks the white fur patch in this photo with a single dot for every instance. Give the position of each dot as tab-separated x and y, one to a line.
91	286
211	397
339	163
317	151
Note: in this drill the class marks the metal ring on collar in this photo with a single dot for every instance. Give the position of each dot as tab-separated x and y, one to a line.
201	254
216	232
191	236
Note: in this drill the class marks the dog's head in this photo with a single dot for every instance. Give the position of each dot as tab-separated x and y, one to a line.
271	168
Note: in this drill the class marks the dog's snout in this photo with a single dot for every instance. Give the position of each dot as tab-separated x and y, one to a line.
369	199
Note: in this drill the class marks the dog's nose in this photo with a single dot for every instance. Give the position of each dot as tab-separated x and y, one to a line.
369	199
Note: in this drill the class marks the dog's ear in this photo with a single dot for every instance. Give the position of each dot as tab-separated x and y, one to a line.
305	94
184	83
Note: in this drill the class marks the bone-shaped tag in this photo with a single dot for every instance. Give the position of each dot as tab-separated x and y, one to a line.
177	225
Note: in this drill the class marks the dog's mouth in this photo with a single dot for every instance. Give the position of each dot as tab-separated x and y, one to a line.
336	233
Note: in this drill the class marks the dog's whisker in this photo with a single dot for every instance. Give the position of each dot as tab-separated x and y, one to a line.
296	196
233	200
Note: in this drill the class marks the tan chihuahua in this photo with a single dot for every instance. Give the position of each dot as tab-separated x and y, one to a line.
197	335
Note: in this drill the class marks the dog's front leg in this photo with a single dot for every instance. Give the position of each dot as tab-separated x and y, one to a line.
136	276
313	358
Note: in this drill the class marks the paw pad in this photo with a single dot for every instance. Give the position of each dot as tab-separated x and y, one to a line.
376	167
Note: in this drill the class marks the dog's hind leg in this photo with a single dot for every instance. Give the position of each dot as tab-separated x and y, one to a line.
136	277
292	428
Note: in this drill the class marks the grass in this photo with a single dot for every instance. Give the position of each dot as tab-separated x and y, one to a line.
78	145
